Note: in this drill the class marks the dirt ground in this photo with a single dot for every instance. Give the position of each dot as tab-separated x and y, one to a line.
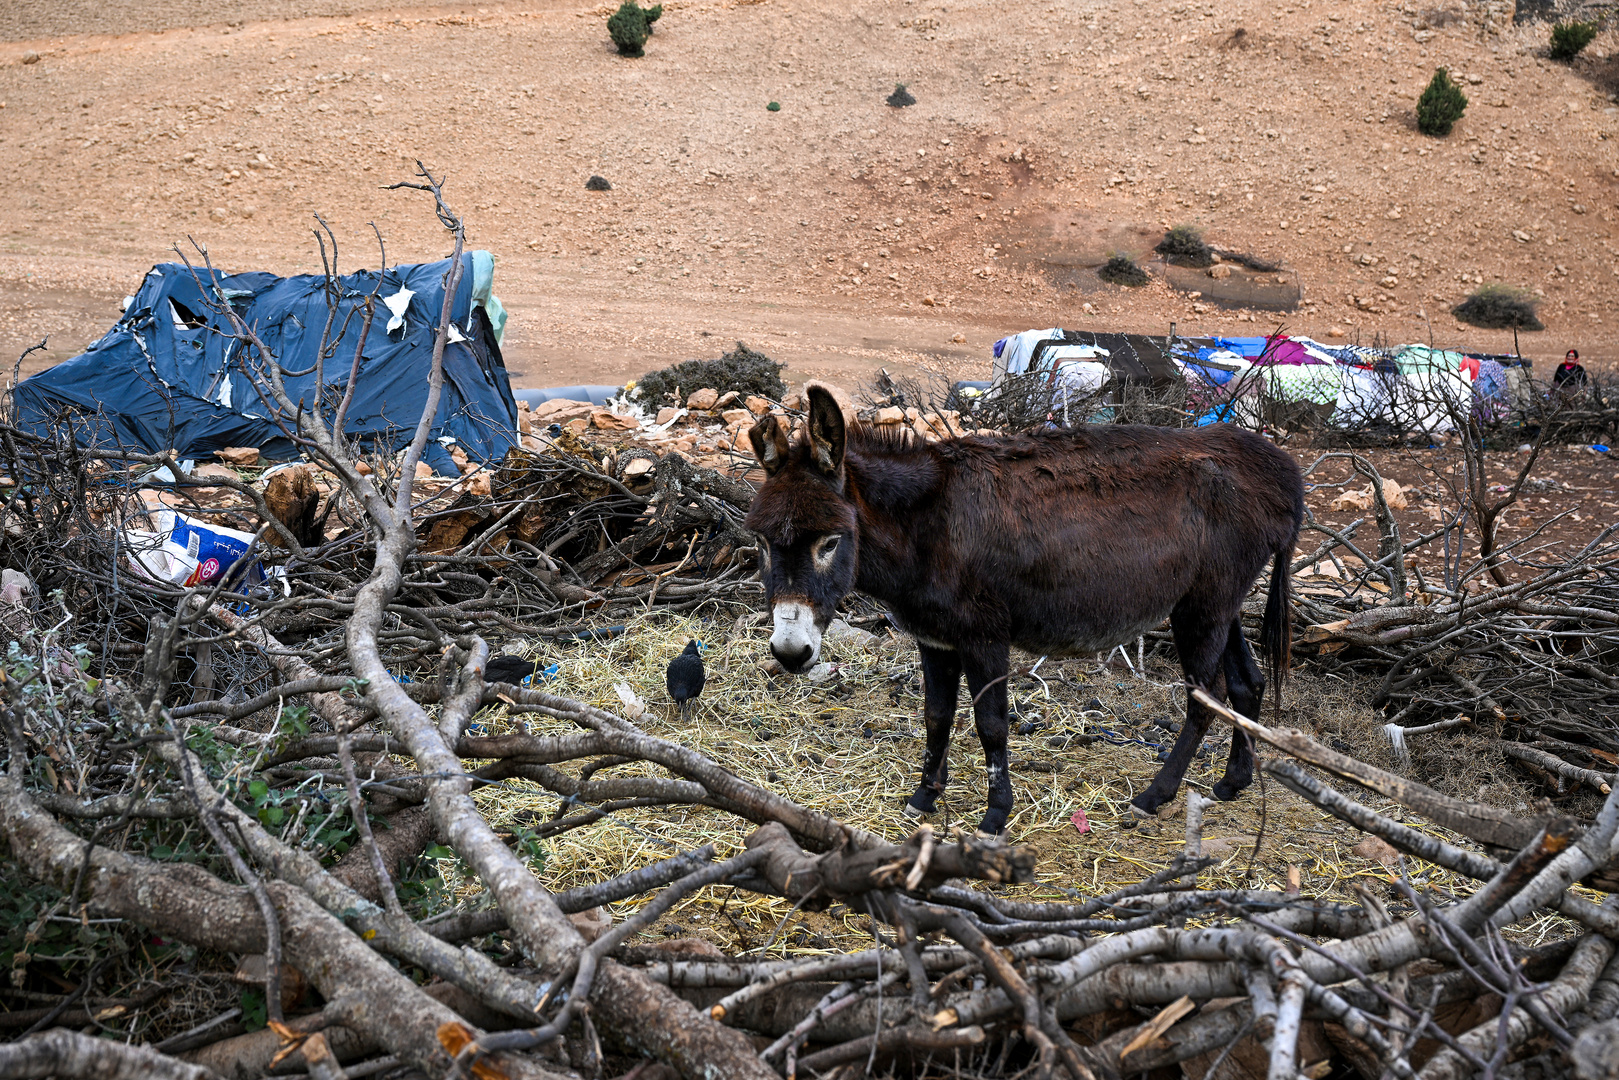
839	233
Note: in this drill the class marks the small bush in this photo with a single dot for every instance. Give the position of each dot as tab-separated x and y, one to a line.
1497	307
1184	246
774	106
1122	270
1568	39
742	370
631	25
901	97
598	183
1440	105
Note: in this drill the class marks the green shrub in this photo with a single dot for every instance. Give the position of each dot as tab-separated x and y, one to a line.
901	98
1569	38
631	25
1441	105
1122	270
1184	246
742	370
1497	307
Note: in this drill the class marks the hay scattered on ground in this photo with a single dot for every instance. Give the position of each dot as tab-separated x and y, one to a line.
851	747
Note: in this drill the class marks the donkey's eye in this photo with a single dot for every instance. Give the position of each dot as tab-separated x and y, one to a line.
825	551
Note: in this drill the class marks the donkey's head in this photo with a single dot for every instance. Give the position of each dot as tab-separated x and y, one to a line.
810	536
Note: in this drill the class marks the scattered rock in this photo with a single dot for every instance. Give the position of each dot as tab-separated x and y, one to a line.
560	411
424	471
929	301
727	398
960	339
1337	331
736	417
211	471
841	633
1377	850
592	923
598	183
30	57
1352	500
703	399
219	213
243	457
1220	270
889	415
607	420
758	406
1221	846
685	948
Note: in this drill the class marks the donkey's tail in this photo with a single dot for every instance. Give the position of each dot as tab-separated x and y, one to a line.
1276	628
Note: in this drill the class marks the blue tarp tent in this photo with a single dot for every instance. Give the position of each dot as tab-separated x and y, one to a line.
169	375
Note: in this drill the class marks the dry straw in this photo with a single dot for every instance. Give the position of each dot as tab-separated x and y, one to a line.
851	745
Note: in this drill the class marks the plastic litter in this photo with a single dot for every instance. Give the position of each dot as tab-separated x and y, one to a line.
183	551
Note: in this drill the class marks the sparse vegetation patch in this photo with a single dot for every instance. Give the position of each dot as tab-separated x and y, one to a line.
1440	105
1498	307
1569	39
1184	246
631	25
742	369
1122	270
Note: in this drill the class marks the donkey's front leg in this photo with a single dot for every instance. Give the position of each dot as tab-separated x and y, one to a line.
987	669
941	678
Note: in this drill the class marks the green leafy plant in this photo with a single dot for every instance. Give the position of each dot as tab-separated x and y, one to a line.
1120	269
631	25
774	106
901	98
1498	307
1440	105
1569	39
528	844
255	1014
1184	246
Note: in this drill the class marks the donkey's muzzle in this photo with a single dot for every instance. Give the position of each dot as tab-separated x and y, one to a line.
796	641
797	661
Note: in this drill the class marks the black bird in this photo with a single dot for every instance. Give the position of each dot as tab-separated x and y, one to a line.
686	676
510	669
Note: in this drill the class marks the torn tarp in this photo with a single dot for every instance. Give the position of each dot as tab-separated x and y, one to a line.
170	376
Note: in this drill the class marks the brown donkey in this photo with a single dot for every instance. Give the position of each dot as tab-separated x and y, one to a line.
1059	543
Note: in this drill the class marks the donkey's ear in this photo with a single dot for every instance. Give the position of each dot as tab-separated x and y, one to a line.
769	441
827	432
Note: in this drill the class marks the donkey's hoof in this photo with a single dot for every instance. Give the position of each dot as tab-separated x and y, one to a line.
993	827
923	801
1144	806
1225	790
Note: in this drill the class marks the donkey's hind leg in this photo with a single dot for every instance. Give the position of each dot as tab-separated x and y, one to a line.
1200	644
941	679
1245	683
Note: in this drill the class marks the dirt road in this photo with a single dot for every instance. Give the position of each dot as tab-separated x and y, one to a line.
839	233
